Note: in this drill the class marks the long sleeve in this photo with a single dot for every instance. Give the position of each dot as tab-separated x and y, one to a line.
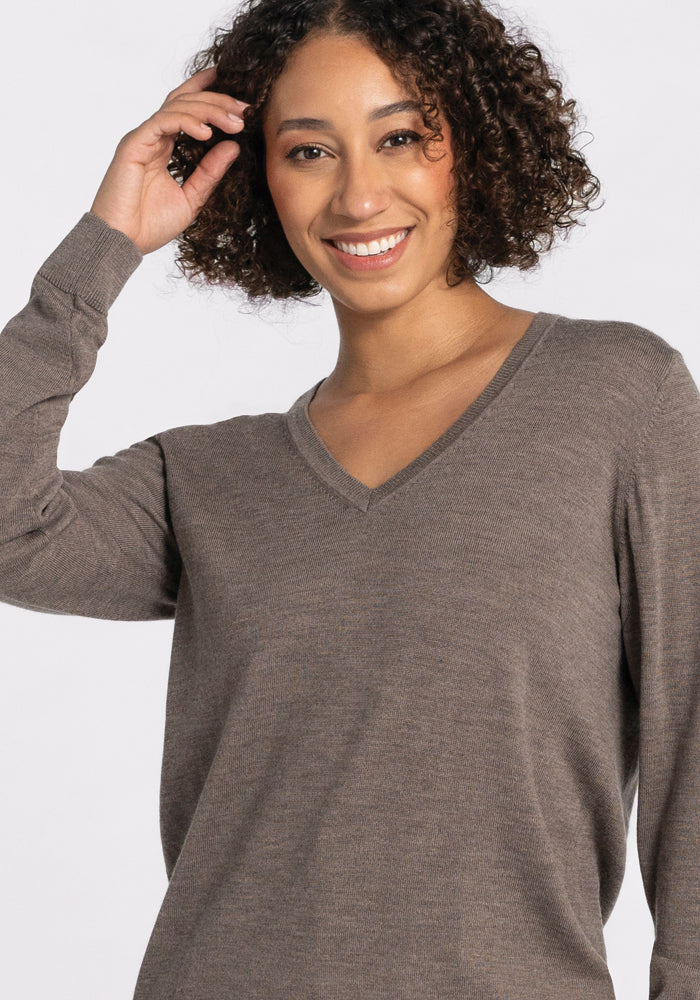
660	607
97	542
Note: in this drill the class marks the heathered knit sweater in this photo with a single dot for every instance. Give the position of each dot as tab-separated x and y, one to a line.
405	725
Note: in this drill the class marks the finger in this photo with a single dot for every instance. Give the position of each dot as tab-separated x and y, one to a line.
138	145
210	169
170	123
199	81
207	103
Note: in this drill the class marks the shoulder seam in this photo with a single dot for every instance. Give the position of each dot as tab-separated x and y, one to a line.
638	448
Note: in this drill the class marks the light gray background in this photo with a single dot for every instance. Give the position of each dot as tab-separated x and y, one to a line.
82	701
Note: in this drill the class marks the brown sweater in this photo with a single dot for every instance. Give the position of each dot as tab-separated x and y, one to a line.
405	725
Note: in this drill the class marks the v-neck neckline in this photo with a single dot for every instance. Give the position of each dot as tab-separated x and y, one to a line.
313	449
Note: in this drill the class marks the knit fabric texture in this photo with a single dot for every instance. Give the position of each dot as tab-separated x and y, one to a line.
405	726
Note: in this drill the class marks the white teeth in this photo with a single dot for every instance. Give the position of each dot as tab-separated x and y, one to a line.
374	248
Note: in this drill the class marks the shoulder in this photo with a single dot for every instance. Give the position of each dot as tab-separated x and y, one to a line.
615	359
243	437
626	346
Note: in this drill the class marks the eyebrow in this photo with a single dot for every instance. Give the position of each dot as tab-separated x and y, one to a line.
322	124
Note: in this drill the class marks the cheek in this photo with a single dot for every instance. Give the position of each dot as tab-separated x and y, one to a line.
444	182
278	192
445	197
432	185
290	210
292	205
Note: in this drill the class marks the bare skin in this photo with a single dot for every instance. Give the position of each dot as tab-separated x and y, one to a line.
138	195
375	436
414	352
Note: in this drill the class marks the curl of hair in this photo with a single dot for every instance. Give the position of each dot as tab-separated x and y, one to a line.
518	178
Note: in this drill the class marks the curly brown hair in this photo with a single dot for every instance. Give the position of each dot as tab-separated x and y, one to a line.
518	178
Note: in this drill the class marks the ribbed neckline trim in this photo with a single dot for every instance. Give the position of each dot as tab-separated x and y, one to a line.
331	472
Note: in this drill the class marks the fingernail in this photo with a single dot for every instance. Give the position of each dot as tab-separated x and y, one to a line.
235	118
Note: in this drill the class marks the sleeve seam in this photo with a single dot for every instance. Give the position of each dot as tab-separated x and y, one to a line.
71	345
638	450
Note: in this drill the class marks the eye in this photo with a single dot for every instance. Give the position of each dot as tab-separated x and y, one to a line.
299	153
398	140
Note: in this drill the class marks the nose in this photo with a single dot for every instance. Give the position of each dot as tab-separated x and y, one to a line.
362	188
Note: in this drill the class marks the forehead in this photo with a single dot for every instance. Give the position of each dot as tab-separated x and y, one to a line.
328	71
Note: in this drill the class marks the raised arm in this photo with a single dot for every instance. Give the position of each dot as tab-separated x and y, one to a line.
97	542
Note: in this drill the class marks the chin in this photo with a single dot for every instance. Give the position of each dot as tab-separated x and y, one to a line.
366	296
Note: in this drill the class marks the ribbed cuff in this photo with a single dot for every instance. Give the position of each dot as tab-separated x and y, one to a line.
93	262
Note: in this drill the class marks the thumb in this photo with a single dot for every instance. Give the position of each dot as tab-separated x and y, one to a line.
209	171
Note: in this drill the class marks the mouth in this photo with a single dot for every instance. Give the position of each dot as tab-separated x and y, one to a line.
370	248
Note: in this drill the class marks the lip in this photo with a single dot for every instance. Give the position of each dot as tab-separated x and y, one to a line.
377	263
379	234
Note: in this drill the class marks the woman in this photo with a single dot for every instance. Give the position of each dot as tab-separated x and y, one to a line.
437	622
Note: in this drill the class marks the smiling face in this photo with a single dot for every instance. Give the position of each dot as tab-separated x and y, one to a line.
363	208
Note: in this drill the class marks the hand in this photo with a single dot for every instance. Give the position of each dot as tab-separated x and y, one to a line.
138	195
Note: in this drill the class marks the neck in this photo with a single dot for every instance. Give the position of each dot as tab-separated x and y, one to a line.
384	352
